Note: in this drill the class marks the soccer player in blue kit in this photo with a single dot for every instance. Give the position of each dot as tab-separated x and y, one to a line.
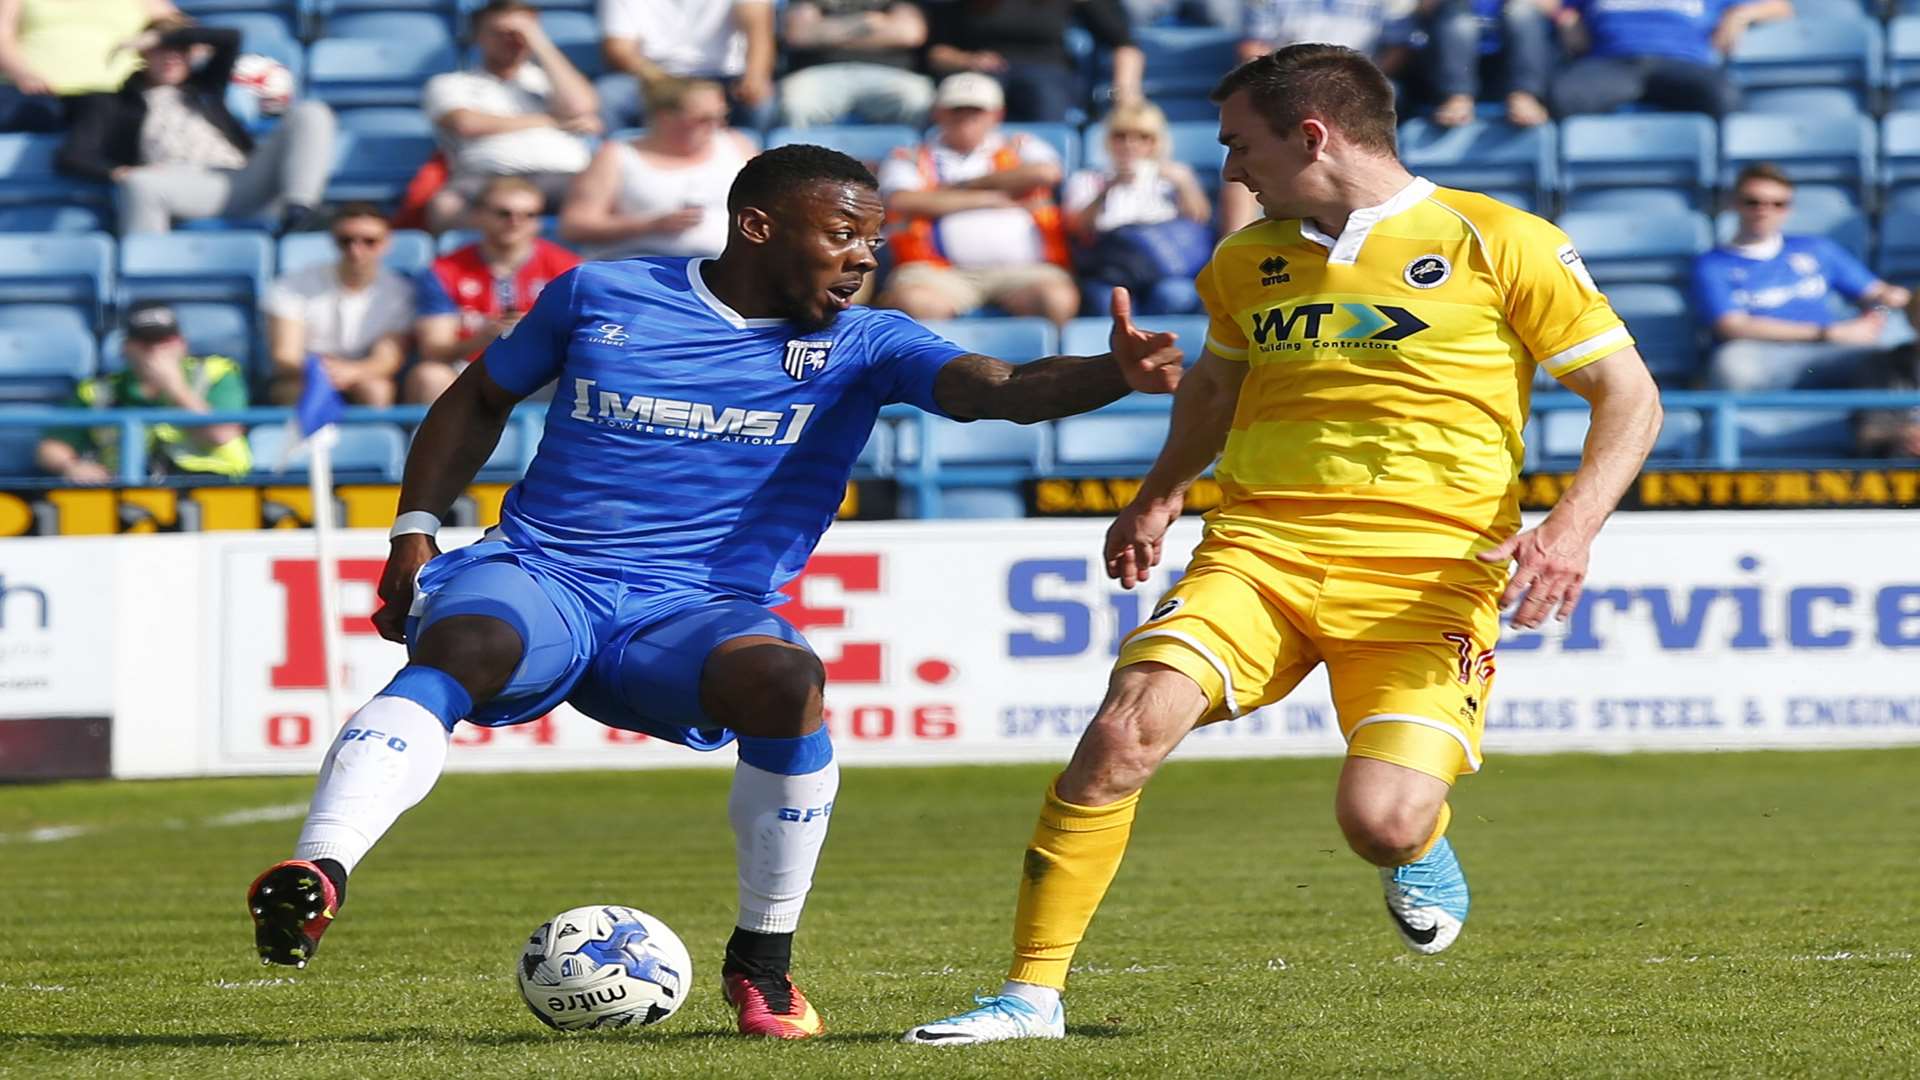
707	417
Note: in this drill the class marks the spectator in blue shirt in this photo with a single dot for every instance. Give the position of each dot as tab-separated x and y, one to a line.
1510	38
1665	53
1768	297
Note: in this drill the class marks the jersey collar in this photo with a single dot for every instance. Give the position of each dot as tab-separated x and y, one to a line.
1760	250
719	307
1345	250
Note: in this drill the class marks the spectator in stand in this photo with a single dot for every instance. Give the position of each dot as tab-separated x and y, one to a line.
973	216
1471	38
1022	45
159	375
166	139
664	193
355	314
1768	298
526	112
473	295
1143	221
1665	53
54	51
728	41
1892	433
854	57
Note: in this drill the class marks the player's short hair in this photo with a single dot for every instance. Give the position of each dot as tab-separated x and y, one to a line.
494	8
509	183
784	170
1762	170
1331	82
349	211
670	94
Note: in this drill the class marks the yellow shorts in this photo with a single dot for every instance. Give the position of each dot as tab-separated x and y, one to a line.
1408	643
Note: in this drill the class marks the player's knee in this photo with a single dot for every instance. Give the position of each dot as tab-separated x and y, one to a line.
479	651
771	691
1386	833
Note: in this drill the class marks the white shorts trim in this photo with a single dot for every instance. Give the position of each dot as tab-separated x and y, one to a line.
1558	363
1226	677
1473	760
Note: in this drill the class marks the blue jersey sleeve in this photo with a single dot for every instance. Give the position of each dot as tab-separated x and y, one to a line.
1848	276
1712	290
430	295
905	357
531	356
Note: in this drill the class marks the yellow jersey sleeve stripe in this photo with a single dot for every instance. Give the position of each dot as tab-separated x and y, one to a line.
1224	351
1578	356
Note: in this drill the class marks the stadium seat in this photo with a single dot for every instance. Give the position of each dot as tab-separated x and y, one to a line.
210	329
1899	259
1810	149
409	251
43	363
452	10
421	27
1804	100
385	120
58	268
1129	439
1185	61
47	217
1675	152
1064	139
1516	165
1636	200
1625	248
1012	339
28	175
971	503
454	239
1089	336
268	33
375	166
234	267
350	72
870	143
54	318
1824	51
374	451
1817	211
1899	154
982	442
18	446
1795	433
577	34
1903	60
1559	438
877	454
1196	143
1661	321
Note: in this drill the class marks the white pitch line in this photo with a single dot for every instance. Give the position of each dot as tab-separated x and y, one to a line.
258	814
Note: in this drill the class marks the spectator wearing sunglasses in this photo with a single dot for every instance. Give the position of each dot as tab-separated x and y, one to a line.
1769	298
477	293
354	313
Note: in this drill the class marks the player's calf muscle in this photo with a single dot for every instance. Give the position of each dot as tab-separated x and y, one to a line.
479	651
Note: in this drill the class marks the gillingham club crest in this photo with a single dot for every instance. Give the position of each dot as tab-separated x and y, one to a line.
806	359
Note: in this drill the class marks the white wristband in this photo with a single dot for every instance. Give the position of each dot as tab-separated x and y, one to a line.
414	521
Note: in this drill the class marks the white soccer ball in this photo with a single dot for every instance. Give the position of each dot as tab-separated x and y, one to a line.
266	79
604	965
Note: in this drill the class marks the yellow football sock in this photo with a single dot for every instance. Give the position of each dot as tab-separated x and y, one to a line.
1439	830
1074	853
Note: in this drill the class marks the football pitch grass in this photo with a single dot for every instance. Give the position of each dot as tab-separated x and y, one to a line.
1686	915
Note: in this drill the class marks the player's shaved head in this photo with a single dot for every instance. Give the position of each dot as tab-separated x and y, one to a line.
768	180
806	223
1332	83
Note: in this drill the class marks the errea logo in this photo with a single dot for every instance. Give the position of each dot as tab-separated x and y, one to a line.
1273	271
608	334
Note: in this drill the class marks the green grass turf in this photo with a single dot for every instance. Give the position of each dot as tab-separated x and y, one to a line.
1729	915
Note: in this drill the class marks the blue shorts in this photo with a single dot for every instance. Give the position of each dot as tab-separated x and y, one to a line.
628	654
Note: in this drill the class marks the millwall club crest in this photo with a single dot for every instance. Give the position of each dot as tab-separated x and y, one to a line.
806	359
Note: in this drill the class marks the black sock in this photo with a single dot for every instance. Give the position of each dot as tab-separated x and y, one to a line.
336	874
765	958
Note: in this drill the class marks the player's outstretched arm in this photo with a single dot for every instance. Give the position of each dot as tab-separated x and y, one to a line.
975	387
1550	560
1202	416
458	435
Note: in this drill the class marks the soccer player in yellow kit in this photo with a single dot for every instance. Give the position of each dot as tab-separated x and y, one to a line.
1367	366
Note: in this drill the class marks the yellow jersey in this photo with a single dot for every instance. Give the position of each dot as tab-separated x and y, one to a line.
1389	369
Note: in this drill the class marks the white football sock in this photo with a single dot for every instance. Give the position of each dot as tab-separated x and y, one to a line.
1040	997
779	824
384	761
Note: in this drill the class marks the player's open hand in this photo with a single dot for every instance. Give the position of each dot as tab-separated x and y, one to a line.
1134	538
1549	566
1150	361
409	554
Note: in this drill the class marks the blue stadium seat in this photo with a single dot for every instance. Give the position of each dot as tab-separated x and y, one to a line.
870	143
58	268
1011	339
1804	100
577	34
1810	149
973	503
1899	153
1064	138
1088	336
366	451
408	252
1559	438
1833	9
370	24
1131	439
1784	433
1825	51
28	175
1635	200
454	239
1185	61
42	364
1903	60
877	454
1817	211
233	267
18	446
46	217
385	120
1625	248
1899	259
203	9
1661	321
1516	165
350	73
210	329
449	9
1196	143
1677	152
982	442
53	318
375	166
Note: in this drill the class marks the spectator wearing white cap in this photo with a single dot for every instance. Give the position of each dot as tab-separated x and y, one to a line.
973	216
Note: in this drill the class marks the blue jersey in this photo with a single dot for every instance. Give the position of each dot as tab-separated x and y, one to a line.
1680	29
1795	284
687	446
